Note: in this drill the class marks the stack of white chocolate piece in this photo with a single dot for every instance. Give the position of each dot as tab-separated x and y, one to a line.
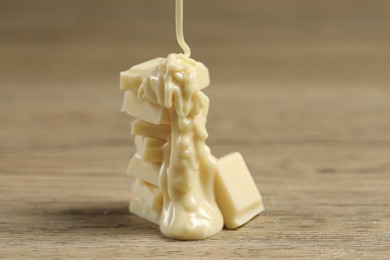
150	129
235	191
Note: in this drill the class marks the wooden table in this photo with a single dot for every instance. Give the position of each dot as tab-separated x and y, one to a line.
301	88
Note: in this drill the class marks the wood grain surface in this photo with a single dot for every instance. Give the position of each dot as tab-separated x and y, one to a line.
301	88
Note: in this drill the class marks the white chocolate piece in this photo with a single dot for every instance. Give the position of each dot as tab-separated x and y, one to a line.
144	110
150	149
202	75
146	171
132	79
235	191
149	193
139	208
142	128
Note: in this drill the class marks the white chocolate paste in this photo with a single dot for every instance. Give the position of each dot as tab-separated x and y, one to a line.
179	28
188	170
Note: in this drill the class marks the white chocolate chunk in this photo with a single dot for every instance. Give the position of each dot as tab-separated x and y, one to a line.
150	149
146	171
140	127
202	75
235	191
144	110
131	79
139	208
149	193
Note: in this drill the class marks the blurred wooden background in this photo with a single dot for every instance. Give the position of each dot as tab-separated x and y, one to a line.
301	88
